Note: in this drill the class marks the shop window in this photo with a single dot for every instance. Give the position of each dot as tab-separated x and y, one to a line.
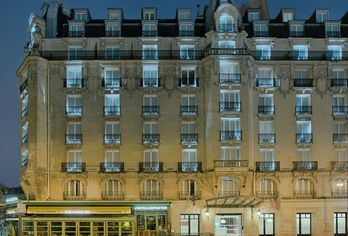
266	224
340	223
303	224
189	224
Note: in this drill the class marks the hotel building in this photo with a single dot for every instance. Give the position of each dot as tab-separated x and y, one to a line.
222	123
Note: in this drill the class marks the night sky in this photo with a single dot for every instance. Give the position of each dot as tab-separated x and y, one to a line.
14	22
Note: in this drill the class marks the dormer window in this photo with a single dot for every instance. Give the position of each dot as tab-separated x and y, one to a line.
253	15
321	16
333	30
112	29
186	30
149	30
184	15
149	16
81	16
287	16
260	30
115	14
226	24
76	29
296	30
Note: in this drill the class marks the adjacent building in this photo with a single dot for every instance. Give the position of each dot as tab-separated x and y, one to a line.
226	122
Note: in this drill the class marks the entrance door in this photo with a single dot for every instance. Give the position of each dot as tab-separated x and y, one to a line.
228	225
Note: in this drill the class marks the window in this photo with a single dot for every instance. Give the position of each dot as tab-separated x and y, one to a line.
74	188
266	132
150	132
112	162
304	155
75	53
266	155
149	15
230	100
151	160
25	133
24	157
150	105
334	52
300	52
113	189
303	132
74	161
266	224
189	160
150	52
151	189
338	78
188	77
112	53
253	16
340	128
260	30
76	30
81	16
321	16
73	135
226	24
189	132
340	188
112	104
265	78
340	223
266	188
333	30
186	30
184	15
303	104
266	105
112	78
227	44
287	16
188	105
230	129
296	30
149	30
113	29
187	52
73	105
150	76
230	153
115	15
24	104
304	188
263	52
74	77
229	186
189	224
341	155
112	132
188	189
303	224
229	72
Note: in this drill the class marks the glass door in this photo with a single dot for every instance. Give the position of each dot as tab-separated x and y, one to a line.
228	225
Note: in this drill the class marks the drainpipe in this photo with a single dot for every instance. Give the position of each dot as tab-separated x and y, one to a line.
48	131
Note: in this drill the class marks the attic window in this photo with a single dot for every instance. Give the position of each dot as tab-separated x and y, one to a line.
81	16
149	16
287	16
322	16
114	16
253	15
184	16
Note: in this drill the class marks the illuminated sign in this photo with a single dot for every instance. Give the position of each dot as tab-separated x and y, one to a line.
150	208
81	210
11	199
78	212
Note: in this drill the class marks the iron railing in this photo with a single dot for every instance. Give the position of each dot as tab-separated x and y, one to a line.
304	138
112	138
112	110
266	82
305	165
267	194
267	138
267	166
112	195
73	110
339	165
111	82
73	83
189	138
150	167
152	110
74	167
303	110
150	82
230	107
194	166
75	196
230	163
230	78
111	167
189	110
228	193
266	110
151	138
340	138
339	82
304	194
184	195
73	139
231	135
339	110
151	195
340	193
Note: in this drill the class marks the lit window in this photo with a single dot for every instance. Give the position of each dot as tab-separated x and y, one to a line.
340	223
303	223
266	224
187	52
150	52
113	30
229	186
112	132
334	52
263	52
300	52
226	24
73	105
150	76
112	53
74	77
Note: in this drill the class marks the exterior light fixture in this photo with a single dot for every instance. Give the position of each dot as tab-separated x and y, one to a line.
207	212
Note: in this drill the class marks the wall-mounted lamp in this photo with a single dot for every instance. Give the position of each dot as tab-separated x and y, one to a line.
207	212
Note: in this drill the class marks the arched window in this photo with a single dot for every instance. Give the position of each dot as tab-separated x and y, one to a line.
229	186
74	190
113	190
266	188
188	189
151	190
340	188
226	24
304	188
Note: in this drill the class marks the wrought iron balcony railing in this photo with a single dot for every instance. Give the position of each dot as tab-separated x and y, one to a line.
111	167
339	82
230	78
304	194
267	194
340	193
340	138
194	166
339	165
189	110
73	110
189	138
150	167
150	83
266	82
73	83
193	196
151	138
267	166
230	163
112	195
228	193
152	110
339	110
303	83
111	82
112	138
303	110
230	106
231	135
73	139
266	110
112	110
267	138
304	138
74	195
188	82
151	195
305	165
149	33
74	167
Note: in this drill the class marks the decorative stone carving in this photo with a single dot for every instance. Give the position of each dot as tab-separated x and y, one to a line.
284	76
320	81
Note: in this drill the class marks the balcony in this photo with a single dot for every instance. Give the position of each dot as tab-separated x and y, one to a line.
150	55
151	195
24	139
230	163
151	138
267	138
148	167
73	83
149	33
74	196
266	83
303	83
304	138
267	166
334	55
339	165
338	111
259	33
73	167
228	193
267	194
296	34
112	195
190	166
304	194
227	28
184	195
73	139
111	167
150	83
112	138
112	83
190	111
340	138
186	33
112	110
339	82
231	135
191	82
303	110
230	78
230	107
333	34
226	51
266	110
76	34
305	165
189	138
73	110
340	194
112	33
152	110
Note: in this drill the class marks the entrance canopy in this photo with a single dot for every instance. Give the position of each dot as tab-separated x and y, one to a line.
233	202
